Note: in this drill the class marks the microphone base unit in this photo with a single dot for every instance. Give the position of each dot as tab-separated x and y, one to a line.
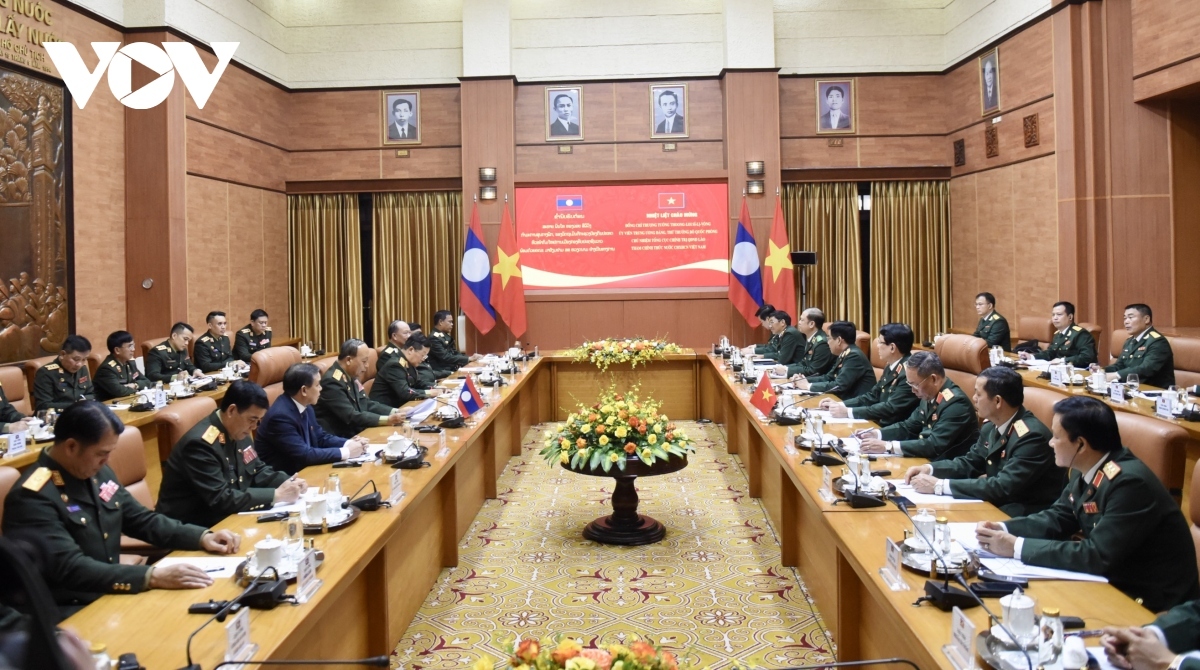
863	500
945	596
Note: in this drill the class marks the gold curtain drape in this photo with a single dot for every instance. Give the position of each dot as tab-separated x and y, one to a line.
325	268
417	247
910	255
824	218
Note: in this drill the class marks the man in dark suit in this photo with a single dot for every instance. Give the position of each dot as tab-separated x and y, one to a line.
835	118
562	126
289	438
991	92
402	127
672	123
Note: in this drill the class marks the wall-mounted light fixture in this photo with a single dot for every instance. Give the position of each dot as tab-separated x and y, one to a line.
755	168
487	174
755	187
487	192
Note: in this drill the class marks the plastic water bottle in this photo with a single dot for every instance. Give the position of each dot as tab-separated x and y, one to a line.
790	446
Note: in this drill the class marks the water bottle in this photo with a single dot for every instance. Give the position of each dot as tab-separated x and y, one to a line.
1052	635
790	445
100	656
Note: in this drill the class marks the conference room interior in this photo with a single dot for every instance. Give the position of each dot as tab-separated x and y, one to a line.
290	189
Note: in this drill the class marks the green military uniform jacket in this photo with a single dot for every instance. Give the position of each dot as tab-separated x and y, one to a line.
785	348
1133	533
246	343
889	401
343	409
427	375
1014	471
770	348
397	383
444	353
212	353
816	359
994	329
944	427
210	476
8	413
54	387
112	377
1149	358
81	522
1076	346
163	362
1181	627
851	372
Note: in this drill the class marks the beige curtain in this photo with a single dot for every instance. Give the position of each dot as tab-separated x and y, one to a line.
824	219
325	269
417	247
910	255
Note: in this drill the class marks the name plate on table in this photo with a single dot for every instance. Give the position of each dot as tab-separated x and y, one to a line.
891	570
238	646
306	577
961	648
1058	375
826	490
1162	406
15	443
396	482
1116	392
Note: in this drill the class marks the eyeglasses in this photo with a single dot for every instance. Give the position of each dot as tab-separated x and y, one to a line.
912	385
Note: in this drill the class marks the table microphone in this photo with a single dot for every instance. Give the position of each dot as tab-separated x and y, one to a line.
943	595
853	664
371	661
453	422
222	613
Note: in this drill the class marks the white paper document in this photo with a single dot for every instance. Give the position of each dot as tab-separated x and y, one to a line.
217	567
1037	364
909	492
422	411
279	507
965	534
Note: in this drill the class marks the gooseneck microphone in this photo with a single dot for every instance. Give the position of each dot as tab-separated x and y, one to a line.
222	613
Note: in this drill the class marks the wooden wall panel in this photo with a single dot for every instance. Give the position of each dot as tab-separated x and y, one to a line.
813	152
217	153
964	251
1011	135
1026	74
266	119
1185	201
1164	33
246	254
887	105
208	267
1035	217
275	263
997	257
695	320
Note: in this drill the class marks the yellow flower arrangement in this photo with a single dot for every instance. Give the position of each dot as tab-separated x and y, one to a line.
618	428
605	353
567	654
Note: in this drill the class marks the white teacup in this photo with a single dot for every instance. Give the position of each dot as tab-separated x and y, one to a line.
514	352
315	507
267	552
395	445
1019	616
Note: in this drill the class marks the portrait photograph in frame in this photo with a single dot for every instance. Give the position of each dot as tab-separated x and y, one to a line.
668	111
564	113
836	106
401	115
989	82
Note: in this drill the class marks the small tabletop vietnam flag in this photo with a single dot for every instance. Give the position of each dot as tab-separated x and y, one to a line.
764	395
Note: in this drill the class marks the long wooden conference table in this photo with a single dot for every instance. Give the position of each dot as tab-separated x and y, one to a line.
378	571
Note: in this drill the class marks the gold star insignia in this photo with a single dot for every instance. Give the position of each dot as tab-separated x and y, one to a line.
509	266
767	395
670	201
778	259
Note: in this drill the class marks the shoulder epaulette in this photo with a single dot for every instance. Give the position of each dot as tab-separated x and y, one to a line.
1076	328
51	366
161	347
267	329
1111	470
337	374
211	434
114	364
947	394
205	337
402	362
245	330
1155	334
995	316
818	338
1021	428
389	350
37	480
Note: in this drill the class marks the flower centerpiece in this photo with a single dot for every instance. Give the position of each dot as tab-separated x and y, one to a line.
616	426
568	654
612	351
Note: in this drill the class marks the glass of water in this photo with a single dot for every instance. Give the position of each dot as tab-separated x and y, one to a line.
1133	383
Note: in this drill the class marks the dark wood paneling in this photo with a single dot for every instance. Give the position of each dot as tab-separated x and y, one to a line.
1026	74
374	185
213	152
1011	133
266	119
866	174
751	134
906	105
1185	201
351	119
1164	32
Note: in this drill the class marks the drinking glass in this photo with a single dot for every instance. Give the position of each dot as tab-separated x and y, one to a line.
1173	396
1133	383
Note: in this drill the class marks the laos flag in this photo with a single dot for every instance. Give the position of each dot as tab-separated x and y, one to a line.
469	400
745	282
475	288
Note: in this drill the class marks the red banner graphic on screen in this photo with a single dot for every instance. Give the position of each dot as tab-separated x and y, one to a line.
656	236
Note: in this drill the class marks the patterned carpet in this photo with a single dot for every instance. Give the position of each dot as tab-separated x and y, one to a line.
713	591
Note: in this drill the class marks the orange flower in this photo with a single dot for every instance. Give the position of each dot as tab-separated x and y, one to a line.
593	416
639	346
620	396
642	429
669	661
633	422
642	651
581	443
670	436
630	447
565	651
600	429
671	426
622	415
528	650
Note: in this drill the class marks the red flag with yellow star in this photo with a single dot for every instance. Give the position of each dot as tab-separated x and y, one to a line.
508	289
779	287
764	396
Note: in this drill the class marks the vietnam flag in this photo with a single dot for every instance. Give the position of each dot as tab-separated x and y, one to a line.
509	296
475	285
764	395
745	284
779	289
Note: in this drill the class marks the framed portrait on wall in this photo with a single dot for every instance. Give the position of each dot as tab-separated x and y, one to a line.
835	106
668	111
401	117
989	82
564	113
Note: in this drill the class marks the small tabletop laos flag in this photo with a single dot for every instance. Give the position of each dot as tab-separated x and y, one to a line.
469	400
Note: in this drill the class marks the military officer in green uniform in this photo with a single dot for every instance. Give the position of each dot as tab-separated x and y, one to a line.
1171	642
851	374
118	374
816	359
343	409
1071	344
398	334
765	316
942	426
1134	533
169	360
74	504
1011	466
399	381
212	349
787	342
11	421
66	381
991	327
1146	352
891	399
443	351
214	472
256	336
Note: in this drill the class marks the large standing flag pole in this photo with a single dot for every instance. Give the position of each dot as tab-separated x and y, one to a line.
745	282
475	287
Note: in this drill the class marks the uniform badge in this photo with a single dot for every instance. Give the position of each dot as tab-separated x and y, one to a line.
403	363
264	342
221	438
108	489
1071	497
57	477
52	366
1112	469
1076	328
1141	348
37	480
211	434
1155	335
337	374
1097	480
161	347
1021	428
947	394
114	364
1090	508
1002	454
249	455
934	417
